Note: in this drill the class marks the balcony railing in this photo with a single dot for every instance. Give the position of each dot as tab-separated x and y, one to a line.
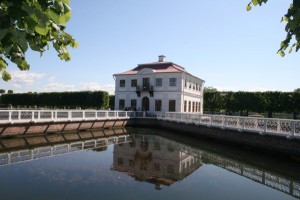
144	88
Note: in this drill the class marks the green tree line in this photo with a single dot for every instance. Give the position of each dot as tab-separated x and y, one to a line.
244	102
84	99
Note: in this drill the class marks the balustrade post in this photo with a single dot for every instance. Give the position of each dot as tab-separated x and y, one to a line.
69	115
32	115
19	115
292	129
225	122
9	116
83	115
39	115
278	126
117	114
243	123
265	125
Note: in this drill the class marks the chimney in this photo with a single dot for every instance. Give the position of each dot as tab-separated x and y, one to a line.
161	58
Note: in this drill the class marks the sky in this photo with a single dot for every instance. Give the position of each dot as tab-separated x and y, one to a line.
217	41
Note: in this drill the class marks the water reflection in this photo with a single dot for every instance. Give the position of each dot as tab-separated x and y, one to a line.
147	158
161	161
155	160
16	150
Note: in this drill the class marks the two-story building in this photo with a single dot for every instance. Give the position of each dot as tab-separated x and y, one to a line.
159	87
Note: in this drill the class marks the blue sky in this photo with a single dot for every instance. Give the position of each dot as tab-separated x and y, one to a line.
218	41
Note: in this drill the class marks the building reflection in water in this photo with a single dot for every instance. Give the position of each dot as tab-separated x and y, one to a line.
147	158
155	160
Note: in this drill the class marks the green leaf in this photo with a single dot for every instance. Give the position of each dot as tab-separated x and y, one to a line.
55	17
255	2
41	29
65	18
2	65
3	33
74	44
66	2
248	8
5	75
281	53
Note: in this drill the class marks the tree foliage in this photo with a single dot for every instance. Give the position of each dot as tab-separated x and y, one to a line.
244	102
85	99
33	24
292	28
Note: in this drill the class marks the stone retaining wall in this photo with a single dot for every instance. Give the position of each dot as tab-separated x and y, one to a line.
52	127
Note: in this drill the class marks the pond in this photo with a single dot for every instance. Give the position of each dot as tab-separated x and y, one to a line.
141	164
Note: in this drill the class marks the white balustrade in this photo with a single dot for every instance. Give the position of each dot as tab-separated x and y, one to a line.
35	116
281	127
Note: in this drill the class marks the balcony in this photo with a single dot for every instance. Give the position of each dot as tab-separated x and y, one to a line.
144	88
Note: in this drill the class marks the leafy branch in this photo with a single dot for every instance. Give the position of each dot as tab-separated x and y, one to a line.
32	24
292	28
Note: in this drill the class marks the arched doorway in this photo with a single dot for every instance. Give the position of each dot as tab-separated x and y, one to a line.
145	104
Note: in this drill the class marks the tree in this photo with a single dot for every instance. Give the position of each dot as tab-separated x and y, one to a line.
297	90
292	19
10	91
2	91
34	24
212	99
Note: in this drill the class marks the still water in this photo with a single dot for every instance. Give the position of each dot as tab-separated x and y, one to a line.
140	164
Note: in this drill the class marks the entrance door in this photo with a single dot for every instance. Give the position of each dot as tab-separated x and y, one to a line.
145	104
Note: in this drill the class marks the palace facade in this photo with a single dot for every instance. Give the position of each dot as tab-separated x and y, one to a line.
159	87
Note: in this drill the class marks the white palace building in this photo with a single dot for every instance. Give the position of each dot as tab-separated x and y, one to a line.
159	87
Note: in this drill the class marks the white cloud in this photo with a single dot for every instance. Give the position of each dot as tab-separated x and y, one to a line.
234	89
24	81
225	88
52	79
110	88
16	85
58	87
25	77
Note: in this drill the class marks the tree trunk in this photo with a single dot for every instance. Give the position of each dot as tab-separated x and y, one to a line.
295	115
269	114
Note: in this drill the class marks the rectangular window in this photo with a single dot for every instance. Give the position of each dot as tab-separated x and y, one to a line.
158	82
121	104
172	82
133	104
185	83
193	106
172	105
146	84
157	105
122	83
133	83
185	106
189	106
